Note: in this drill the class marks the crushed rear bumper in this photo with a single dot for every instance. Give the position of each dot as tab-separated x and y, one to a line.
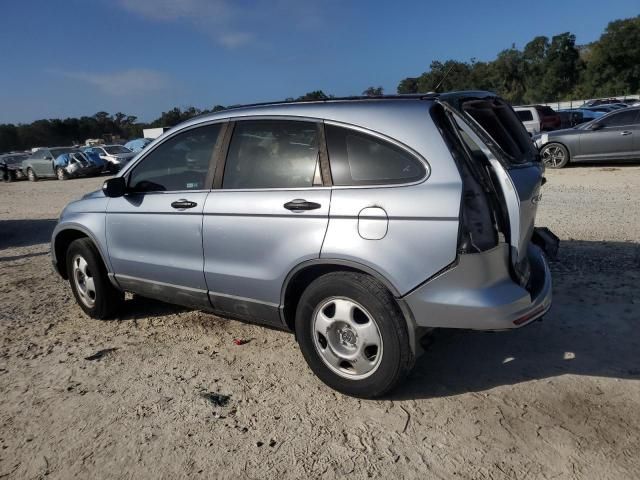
478	293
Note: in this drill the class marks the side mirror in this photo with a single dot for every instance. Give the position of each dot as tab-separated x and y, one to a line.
115	187
596	126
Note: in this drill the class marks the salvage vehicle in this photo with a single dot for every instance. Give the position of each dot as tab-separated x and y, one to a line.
138	144
78	164
115	156
614	136
11	166
61	163
359	224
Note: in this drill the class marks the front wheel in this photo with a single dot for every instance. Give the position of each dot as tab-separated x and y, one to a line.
31	175
555	155
91	287
61	174
353	335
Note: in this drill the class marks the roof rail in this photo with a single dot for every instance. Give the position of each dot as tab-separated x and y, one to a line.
408	96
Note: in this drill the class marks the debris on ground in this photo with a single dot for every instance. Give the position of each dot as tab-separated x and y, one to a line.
240	341
217	399
100	354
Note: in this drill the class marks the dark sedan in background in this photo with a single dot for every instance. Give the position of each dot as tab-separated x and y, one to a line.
614	136
11	166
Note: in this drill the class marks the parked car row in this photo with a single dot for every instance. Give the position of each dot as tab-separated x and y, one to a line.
68	162
542	118
613	136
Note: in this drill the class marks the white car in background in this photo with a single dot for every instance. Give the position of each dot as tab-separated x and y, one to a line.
538	118
116	156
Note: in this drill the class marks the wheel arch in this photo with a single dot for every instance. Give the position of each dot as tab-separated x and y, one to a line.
60	244
304	273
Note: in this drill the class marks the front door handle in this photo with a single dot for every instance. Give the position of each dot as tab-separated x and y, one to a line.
299	205
182	204
626	132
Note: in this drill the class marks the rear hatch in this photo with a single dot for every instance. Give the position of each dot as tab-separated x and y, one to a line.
490	125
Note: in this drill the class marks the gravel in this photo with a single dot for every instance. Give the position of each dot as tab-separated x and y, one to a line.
175	397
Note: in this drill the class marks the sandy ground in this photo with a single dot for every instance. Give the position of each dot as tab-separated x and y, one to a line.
558	399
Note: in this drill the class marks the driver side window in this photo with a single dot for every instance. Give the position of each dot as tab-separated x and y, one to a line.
180	163
619	119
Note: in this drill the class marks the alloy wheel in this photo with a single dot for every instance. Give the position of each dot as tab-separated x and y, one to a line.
553	156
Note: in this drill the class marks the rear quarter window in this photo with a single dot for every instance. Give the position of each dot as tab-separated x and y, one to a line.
524	115
357	158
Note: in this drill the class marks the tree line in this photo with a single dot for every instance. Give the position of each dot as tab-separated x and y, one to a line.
545	70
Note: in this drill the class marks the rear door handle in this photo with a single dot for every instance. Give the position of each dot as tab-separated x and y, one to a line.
182	204
626	132
299	205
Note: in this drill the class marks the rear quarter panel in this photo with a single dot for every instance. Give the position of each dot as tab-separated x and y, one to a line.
423	218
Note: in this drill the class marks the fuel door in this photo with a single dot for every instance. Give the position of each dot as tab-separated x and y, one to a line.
373	223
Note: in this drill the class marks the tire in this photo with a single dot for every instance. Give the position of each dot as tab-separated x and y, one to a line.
91	287
333	343
31	175
7	176
61	174
557	155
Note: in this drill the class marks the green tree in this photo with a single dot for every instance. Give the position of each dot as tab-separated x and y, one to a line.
561	68
373	92
315	95
534	56
408	85
613	62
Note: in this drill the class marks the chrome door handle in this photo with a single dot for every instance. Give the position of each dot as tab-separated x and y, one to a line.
626	132
182	204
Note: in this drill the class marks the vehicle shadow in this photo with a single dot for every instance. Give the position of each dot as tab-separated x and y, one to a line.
139	307
607	165
25	233
592	329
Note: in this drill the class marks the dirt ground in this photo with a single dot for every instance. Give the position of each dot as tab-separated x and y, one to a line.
557	399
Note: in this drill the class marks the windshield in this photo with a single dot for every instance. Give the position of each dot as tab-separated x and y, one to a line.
112	150
56	152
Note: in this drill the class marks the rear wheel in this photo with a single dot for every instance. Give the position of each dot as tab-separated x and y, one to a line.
31	175
353	335
555	155
89	282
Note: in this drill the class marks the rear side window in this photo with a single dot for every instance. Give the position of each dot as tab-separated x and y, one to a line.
524	115
179	163
360	159
272	154
619	119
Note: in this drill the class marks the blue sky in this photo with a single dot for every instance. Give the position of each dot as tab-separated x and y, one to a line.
76	57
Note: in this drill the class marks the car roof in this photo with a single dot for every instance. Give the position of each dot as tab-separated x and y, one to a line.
351	110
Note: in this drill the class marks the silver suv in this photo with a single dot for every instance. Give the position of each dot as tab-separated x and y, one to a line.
359	224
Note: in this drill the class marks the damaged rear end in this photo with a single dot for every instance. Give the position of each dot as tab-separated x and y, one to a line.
501	278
